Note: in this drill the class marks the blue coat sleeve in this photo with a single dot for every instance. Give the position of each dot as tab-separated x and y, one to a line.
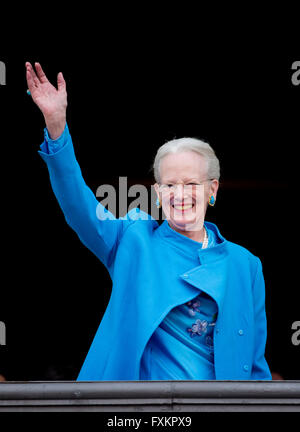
97	228
50	146
260	368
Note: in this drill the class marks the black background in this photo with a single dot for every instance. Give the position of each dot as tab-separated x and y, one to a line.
132	85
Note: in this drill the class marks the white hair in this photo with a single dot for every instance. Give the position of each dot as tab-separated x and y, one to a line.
188	144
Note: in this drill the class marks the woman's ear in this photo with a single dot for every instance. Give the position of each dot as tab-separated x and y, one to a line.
156	187
214	186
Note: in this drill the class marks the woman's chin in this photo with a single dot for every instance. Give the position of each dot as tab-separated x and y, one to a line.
182	222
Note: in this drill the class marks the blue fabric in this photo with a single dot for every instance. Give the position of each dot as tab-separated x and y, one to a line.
153	270
181	348
51	146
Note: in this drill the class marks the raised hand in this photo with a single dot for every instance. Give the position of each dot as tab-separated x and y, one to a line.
51	101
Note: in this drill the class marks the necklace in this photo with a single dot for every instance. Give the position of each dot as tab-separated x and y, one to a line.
205	240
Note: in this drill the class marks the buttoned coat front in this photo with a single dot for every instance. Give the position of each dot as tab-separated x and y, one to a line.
154	269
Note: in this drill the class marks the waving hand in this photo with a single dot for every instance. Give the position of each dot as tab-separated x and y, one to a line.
51	101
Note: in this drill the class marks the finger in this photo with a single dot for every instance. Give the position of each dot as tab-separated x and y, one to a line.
61	83
28	68
40	73
30	83
35	79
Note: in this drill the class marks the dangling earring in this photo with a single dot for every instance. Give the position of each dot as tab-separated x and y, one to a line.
158	203
212	201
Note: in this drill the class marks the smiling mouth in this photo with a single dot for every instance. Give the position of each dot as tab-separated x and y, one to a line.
182	207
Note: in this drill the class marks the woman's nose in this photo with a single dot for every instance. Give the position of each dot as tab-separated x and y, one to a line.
180	191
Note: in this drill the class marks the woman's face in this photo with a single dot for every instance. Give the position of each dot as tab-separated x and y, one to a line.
185	189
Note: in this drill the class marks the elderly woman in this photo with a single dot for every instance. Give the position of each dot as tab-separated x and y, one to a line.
186	303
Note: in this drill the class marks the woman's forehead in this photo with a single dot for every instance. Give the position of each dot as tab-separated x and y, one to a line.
183	165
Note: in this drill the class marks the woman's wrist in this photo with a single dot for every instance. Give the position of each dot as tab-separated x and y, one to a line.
55	125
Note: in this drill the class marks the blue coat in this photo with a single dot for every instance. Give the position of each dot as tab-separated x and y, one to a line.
152	272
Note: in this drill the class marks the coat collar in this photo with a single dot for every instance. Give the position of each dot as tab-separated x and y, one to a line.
189	246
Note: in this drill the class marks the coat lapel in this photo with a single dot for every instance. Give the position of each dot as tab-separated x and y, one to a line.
211	275
210	278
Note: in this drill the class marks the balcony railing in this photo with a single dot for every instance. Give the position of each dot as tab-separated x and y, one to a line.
143	396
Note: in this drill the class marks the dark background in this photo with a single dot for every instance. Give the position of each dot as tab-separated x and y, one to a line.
131	87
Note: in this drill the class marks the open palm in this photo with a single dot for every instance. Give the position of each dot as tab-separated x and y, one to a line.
51	101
